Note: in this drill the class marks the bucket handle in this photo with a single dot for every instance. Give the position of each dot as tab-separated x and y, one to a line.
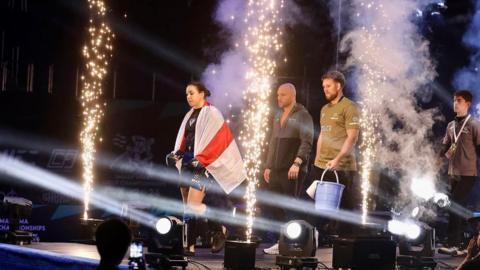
323	174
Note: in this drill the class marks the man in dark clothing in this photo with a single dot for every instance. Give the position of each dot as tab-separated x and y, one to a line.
289	149
461	144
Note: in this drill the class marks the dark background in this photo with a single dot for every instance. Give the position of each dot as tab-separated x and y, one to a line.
172	41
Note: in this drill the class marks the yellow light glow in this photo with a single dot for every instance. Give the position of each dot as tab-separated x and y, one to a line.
96	54
262	43
370	83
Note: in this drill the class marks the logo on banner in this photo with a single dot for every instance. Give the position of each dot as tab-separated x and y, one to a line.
62	159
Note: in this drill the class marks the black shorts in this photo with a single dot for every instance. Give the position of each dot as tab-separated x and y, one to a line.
196	181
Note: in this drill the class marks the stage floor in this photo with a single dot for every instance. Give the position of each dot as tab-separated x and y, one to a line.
212	261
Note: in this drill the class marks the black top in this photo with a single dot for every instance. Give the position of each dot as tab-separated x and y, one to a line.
459	118
190	130
293	139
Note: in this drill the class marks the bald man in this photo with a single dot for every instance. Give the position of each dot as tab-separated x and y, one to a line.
289	149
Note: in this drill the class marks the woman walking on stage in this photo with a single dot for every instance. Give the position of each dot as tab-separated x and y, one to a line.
204	149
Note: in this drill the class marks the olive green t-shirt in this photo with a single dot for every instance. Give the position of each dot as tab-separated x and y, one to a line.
335	119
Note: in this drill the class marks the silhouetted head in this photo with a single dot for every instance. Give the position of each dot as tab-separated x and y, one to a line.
113	238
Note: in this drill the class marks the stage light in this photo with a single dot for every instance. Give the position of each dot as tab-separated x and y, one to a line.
297	238
419	211
297	246
417	253
404	228
412	231
163	225
415	212
293	230
395	227
169	235
166	244
441	199
423	188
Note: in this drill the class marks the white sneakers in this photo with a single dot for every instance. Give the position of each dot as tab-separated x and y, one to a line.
273	250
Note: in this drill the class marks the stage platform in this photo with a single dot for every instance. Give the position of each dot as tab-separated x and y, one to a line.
75	256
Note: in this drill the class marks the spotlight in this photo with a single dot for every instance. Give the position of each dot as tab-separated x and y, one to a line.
412	231
293	230
169	237
163	225
408	229
166	243
423	188
441	199
297	238
395	227
417	248
420	211
415	212
297	246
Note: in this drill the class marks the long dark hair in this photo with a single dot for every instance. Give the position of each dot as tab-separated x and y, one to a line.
201	88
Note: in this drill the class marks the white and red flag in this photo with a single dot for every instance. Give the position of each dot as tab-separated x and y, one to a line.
214	147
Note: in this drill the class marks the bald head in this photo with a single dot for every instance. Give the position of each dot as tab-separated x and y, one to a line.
286	95
288	87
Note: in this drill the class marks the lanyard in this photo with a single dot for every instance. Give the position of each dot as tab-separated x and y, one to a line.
455	136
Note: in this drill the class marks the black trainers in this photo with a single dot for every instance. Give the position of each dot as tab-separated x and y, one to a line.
218	241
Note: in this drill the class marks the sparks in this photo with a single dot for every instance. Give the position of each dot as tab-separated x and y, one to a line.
96	53
370	82
262	43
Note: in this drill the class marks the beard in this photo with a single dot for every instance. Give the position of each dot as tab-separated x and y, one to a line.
331	97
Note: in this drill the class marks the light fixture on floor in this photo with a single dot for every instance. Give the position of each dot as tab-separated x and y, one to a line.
166	244
297	246
16	208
